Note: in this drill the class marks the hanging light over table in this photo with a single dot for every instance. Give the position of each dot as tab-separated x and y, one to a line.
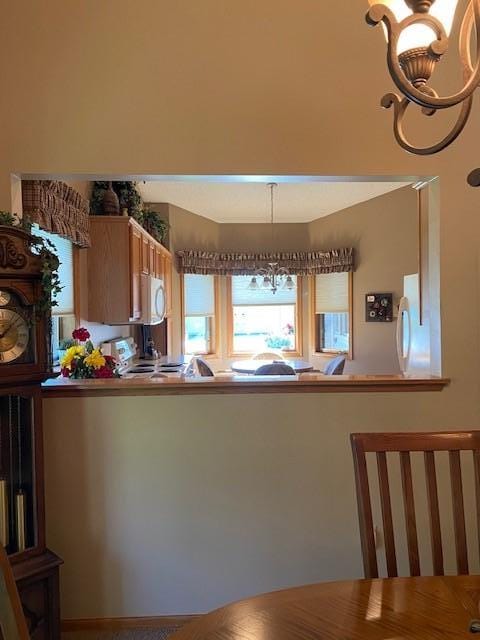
274	276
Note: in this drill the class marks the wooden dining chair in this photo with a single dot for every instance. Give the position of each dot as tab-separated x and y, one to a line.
13	625
403	444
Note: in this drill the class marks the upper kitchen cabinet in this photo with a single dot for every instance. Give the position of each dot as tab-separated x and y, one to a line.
122	253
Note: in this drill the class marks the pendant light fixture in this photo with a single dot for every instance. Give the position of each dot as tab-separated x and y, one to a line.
274	276
417	33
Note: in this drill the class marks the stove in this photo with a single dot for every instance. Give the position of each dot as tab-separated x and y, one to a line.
124	350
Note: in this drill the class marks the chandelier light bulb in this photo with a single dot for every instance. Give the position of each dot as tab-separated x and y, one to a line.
419	35
253	286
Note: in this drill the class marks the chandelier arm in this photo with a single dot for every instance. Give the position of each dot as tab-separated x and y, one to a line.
400	106
380	13
467	26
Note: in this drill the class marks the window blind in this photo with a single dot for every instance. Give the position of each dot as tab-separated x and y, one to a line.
242	295
331	293
199	291
64	250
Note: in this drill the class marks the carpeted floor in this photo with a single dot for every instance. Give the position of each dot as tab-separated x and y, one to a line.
126	634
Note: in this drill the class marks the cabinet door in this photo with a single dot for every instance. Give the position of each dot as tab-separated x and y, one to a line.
151	259
145	255
167	278
136	242
158	263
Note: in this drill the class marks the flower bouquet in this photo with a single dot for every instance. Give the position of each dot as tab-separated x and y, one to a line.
83	360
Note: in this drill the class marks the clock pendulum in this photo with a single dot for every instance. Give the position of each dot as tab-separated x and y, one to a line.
4	521
20	496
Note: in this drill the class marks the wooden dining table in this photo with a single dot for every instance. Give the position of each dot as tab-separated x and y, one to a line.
426	608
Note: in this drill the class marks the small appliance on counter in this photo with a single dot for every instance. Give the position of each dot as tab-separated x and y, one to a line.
149	348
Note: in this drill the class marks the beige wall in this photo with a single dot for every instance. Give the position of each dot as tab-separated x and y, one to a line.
384	233
244	87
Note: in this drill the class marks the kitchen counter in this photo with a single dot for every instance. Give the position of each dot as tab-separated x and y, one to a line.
238	384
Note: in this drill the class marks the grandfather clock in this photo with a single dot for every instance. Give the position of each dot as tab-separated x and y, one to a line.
24	365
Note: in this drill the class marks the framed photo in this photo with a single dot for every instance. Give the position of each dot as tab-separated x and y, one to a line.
379	307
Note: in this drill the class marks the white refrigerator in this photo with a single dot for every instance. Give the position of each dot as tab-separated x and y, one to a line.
413	338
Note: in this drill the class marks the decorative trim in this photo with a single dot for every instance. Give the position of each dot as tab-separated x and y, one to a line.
113	624
238	264
9	254
57	208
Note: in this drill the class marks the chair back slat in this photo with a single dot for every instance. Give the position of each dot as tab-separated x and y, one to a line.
452	443
458	513
409	510
476	468
386	504
434	513
367	535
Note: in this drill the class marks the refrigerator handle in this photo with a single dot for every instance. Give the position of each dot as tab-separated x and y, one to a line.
403	310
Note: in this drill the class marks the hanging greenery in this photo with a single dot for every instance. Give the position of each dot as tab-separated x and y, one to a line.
154	225
51	285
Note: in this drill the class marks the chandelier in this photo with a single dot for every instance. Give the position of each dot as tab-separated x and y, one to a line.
274	276
417	34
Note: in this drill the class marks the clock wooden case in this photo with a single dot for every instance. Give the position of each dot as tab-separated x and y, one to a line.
25	362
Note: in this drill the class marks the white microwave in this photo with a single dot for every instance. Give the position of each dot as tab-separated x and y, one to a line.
153	300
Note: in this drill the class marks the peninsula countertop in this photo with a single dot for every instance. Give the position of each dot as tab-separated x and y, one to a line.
235	384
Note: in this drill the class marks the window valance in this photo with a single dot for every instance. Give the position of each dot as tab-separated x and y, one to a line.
239	264
57	208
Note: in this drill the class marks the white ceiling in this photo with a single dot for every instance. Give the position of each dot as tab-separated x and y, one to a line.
250	201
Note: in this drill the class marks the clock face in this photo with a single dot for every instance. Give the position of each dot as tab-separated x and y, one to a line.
14	335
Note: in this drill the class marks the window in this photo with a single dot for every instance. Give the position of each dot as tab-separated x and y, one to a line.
63	314
260	320
332	321
199	298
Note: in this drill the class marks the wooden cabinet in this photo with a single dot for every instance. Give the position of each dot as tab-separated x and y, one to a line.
121	252
167	278
136	269
145	255
158	264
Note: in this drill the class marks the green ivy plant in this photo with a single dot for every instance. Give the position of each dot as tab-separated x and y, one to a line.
51	285
155	225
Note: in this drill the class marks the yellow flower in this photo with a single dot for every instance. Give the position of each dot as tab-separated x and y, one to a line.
70	355
95	359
